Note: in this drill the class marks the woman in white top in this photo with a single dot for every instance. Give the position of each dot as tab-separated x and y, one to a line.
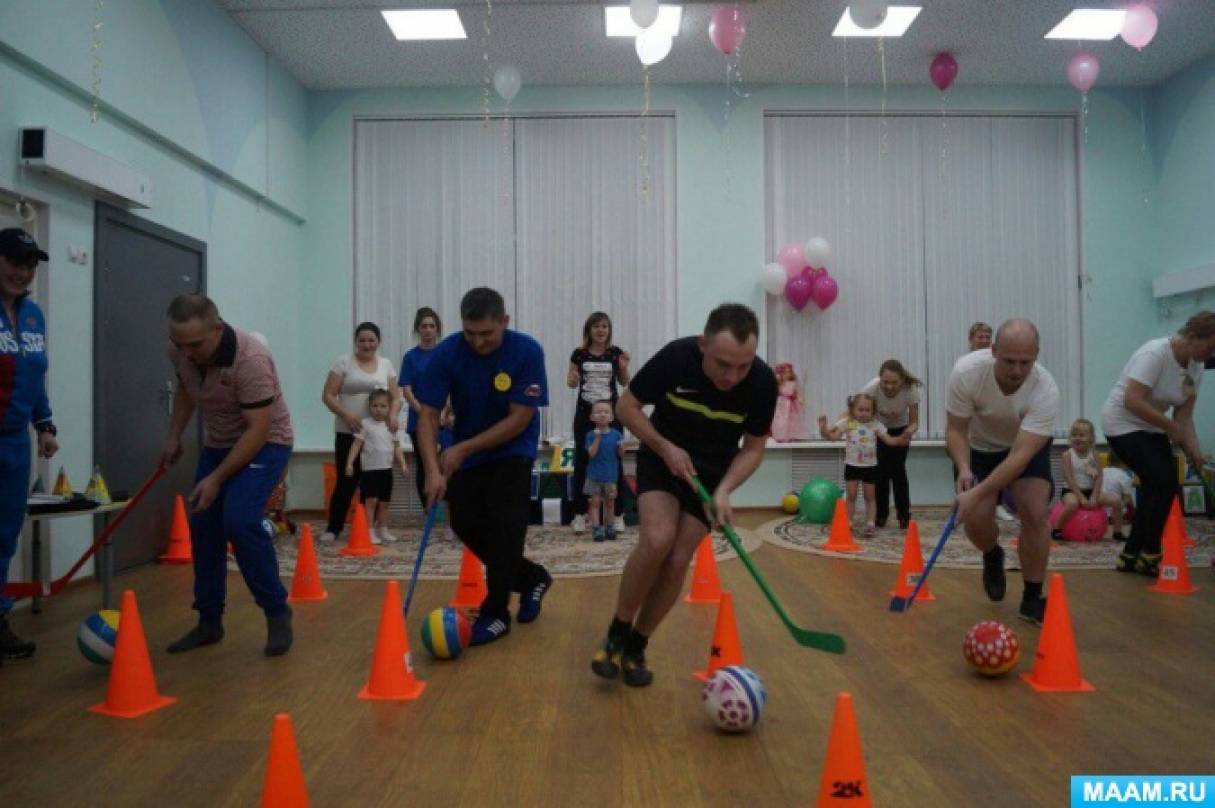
898	408
351	379
1163	374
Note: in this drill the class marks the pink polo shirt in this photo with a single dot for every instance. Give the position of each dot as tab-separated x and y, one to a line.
241	376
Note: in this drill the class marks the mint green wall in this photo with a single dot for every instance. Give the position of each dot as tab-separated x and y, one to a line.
176	71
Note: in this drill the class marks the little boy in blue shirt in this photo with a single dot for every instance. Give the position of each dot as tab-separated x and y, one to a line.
605	447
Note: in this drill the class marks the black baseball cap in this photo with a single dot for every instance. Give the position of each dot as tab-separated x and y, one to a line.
18	245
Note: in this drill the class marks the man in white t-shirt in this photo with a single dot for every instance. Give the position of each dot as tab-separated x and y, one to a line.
1002	407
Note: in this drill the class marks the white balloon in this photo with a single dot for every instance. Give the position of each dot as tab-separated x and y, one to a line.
507	82
868	14
773	279
652	46
643	12
818	252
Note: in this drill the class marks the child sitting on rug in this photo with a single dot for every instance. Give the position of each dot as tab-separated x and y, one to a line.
604	448
377	448
861	431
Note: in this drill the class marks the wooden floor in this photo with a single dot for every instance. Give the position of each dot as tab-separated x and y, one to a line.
524	722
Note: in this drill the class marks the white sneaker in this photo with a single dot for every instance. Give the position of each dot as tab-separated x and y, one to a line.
618	525
579	524
327	537
1003	515
387	537
375	536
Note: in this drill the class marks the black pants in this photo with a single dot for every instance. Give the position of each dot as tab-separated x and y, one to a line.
343	487
582	428
892	470
1150	456
419	470
489	505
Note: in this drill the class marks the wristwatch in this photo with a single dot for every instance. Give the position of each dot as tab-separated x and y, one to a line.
46	426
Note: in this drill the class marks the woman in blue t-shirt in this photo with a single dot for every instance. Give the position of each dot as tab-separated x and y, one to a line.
427	327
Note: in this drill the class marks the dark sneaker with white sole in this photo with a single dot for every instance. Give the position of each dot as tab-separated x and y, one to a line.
1033	610
487	628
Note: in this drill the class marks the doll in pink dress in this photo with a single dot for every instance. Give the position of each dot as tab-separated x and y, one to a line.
788	422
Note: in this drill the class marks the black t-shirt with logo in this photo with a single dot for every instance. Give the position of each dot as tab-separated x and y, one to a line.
693	414
598	374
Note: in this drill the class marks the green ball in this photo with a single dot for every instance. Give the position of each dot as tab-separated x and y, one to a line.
816	503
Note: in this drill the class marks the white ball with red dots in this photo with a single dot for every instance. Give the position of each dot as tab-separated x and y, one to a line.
734	697
991	648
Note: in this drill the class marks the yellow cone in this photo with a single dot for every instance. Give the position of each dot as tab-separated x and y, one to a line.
97	489
63	488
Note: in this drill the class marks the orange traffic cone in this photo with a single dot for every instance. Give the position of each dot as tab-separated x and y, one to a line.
911	567
844	782
359	543
706	586
306	585
470	588
284	784
132	688
726	649
391	666
840	539
1056	664
1175	515
179	536
1174	577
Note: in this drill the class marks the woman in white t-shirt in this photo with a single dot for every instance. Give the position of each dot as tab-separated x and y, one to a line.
351	379
1163	374
897	395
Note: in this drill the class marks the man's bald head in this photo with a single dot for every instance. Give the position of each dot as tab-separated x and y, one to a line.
1017	334
1015	349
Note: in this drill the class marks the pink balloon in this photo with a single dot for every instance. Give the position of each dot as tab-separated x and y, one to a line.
727	28
791	258
1082	71
1139	25
943	70
799	291
813	272
825	291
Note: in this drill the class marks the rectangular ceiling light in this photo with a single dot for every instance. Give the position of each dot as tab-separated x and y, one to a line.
898	20
1089	23
617	22
424	23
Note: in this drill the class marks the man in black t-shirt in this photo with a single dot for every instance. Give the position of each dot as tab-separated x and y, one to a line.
708	392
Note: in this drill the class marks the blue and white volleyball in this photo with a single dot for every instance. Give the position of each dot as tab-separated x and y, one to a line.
734	697
98	635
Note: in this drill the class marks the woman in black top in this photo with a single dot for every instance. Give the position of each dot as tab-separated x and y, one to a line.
597	367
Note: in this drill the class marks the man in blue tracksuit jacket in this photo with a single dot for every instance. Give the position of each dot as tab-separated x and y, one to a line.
23	402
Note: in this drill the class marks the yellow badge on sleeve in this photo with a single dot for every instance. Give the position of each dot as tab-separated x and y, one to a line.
502	382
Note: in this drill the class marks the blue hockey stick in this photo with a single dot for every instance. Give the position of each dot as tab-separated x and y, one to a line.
898	604
417	564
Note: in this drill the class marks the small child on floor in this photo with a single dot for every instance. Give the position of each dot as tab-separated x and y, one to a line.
605	448
1082	478
861	431
377	448
1118	488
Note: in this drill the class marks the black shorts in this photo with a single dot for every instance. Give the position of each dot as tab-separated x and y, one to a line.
376	484
864	474
984	463
1085	493
653	475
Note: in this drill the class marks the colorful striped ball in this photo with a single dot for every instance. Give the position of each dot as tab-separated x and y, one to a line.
97	636
734	697
445	633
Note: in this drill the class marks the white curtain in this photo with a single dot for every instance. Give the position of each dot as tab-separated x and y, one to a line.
596	230
935	224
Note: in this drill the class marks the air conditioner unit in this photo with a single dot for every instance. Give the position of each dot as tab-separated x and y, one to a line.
59	156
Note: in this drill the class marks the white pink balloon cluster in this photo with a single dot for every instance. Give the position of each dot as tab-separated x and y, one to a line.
1138	29
800	274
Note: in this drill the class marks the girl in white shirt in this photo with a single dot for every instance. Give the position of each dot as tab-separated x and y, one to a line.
1082	477
861	432
375	449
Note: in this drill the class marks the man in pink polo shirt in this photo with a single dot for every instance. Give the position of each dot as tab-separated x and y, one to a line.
230	376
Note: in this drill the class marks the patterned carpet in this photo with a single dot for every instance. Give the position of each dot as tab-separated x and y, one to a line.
887	546
562	552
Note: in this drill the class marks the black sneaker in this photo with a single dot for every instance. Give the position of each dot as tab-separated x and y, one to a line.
606	662
204	633
1126	562
636	674
904	522
994	583
279	634
12	646
1148	564
1033	610
531	600
486	629
880	522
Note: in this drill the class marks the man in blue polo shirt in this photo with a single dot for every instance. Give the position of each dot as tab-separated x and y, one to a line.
496	381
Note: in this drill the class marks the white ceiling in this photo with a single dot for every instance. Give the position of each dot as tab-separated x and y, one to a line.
331	44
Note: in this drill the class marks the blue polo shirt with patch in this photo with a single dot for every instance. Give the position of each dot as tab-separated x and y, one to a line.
482	388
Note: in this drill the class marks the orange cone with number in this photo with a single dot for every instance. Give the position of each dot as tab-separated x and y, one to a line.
306	585
392	666
359	543
726	649
470	588
284	784
911	567
1174	577
1056	663
844	782
179	536
132	688
706	585
840	539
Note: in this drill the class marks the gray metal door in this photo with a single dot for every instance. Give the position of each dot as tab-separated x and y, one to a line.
139	268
